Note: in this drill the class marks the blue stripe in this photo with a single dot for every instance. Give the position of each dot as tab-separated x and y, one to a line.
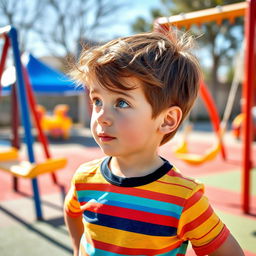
129	225
136	207
146	209
104	197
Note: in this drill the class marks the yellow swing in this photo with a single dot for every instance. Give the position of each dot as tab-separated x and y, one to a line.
182	152
9	162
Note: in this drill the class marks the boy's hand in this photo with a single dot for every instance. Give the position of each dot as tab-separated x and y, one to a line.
230	247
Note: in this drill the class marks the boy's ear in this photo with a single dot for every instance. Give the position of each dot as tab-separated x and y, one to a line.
172	118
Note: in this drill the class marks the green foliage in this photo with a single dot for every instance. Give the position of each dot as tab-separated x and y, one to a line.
142	25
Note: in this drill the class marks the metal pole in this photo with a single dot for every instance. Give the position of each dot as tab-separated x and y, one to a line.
248	90
21	92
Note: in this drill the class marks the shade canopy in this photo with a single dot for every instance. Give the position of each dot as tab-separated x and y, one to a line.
44	79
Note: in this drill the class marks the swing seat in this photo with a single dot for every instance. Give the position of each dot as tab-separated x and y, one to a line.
29	170
10	154
196	159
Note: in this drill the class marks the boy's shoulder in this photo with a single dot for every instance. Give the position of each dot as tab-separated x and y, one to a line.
88	169
180	179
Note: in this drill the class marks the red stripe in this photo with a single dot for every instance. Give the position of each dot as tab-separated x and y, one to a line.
174	184
213	245
193	199
207	232
74	198
172	173
133	251
133	192
134	214
197	222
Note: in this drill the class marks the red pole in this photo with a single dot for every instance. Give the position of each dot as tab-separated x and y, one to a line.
15	127
248	90
213	113
3	57
32	103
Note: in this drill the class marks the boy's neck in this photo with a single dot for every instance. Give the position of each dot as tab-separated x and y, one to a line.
125	167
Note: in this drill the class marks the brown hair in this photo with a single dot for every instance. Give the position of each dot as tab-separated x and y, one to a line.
168	72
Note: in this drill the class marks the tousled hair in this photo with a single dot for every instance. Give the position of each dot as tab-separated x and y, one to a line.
168	72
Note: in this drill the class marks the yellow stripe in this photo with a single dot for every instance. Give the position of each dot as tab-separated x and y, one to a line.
191	183
168	189
193	212
70	203
75	209
203	229
173	186
132	240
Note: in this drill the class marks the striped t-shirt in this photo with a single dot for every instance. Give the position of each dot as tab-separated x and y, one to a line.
152	215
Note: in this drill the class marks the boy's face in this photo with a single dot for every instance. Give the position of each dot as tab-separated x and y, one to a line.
122	122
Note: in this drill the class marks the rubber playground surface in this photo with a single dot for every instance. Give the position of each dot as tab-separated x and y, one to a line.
21	234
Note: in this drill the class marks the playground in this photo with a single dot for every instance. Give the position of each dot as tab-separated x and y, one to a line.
22	234
36	170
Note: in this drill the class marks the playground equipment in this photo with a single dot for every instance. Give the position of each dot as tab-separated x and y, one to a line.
57	125
196	159
238	122
182	151
230	12
22	95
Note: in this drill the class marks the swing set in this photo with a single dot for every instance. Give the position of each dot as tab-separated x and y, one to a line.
23	102
218	14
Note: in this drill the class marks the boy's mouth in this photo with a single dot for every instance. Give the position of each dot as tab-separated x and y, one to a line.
105	137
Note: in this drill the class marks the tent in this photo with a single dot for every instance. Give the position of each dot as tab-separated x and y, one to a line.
44	79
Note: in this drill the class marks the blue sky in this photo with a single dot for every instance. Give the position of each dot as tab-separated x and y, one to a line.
120	26
132	9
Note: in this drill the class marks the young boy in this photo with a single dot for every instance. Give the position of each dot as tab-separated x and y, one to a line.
134	202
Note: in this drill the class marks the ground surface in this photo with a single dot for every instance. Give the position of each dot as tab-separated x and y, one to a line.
21	234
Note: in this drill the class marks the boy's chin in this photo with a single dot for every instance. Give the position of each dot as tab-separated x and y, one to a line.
107	152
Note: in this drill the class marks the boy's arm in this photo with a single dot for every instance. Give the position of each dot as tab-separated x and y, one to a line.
76	229
229	247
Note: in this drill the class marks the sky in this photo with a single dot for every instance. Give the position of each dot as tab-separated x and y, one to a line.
134	9
121	25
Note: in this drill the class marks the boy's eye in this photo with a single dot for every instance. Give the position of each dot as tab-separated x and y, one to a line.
122	104
97	102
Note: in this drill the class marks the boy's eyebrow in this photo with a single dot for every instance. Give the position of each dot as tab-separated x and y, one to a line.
115	92
125	94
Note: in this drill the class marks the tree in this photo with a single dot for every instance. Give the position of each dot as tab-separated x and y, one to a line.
57	26
69	22
23	15
221	41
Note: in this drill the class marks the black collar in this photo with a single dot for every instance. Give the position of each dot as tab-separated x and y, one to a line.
133	181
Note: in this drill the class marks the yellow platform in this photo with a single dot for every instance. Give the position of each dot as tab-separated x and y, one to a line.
9	154
26	169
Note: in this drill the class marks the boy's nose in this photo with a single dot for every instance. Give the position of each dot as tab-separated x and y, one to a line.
104	118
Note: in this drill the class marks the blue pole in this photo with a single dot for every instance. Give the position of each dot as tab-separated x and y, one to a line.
21	92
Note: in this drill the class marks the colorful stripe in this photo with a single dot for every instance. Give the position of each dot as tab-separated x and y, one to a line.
132	214
153	219
111	198
129	224
132	192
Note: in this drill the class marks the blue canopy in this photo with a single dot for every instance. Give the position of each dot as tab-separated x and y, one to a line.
46	80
